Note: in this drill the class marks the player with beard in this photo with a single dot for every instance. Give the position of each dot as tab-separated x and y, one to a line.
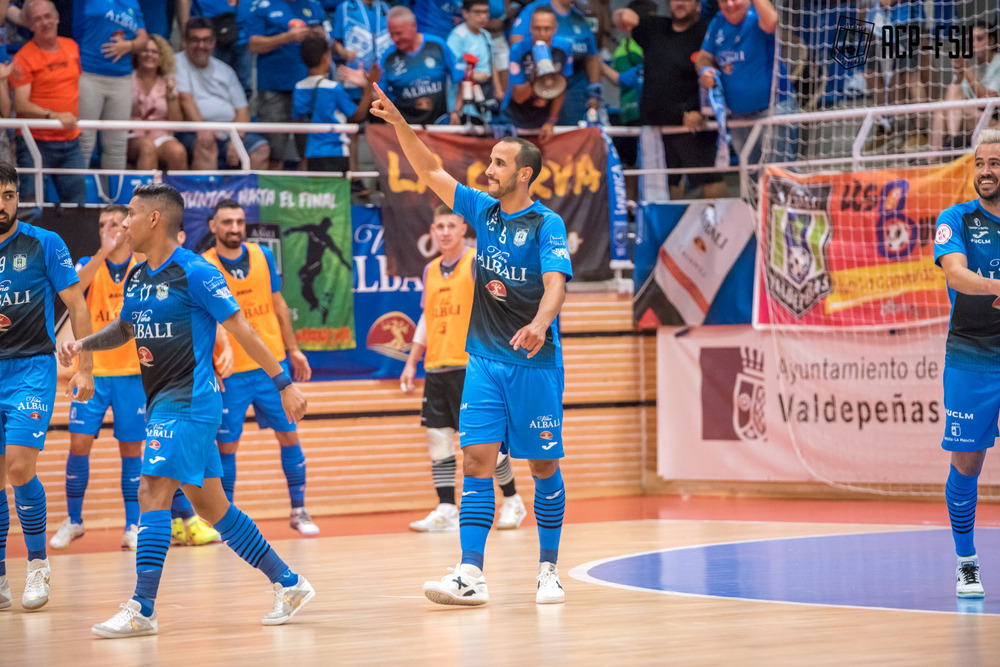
967	246
512	399
252	276
35	265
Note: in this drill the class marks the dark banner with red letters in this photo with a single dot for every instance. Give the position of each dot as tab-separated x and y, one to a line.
573	183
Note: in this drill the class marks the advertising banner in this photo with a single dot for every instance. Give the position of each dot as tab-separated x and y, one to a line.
854	249
573	182
744	404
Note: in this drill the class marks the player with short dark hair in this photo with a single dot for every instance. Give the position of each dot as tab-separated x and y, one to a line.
35	265
173	301
512	399
967	247
251	274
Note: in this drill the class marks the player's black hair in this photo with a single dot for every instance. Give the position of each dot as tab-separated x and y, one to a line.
167	200
528	156
8	174
225	203
116	208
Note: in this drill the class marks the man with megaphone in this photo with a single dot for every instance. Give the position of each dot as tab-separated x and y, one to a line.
539	68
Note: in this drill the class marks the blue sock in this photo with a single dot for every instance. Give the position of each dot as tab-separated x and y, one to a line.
550	505
77	476
4	529
29	499
154	540
961	493
180	506
293	462
242	535
475	517
229	474
131	471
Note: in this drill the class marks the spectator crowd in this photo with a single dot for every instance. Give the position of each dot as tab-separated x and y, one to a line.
496	62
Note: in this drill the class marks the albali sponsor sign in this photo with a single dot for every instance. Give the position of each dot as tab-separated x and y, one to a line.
854	249
738	404
577	181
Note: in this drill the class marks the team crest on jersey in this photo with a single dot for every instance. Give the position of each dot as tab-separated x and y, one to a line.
799	230
20	262
154	444
546	435
35	416
520	236
145	356
497	290
4	323
162	291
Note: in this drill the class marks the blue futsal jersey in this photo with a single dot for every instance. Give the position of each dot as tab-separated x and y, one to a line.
512	253
418	83
974	334
173	311
34	266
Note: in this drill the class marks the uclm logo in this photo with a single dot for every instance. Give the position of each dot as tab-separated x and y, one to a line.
392	335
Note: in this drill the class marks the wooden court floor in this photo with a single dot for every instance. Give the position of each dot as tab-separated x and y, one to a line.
369	609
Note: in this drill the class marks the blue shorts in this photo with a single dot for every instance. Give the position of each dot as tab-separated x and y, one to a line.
27	392
182	450
246	389
520	406
125	396
971	406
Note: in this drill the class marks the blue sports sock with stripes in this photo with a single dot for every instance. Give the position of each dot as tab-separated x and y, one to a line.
962	492
4	529
29	499
228	474
180	506
550	505
293	462
131	471
242	535
475	517
77	476
154	540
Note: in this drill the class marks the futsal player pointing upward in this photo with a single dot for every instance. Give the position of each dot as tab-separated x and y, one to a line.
172	302
967	246
514	378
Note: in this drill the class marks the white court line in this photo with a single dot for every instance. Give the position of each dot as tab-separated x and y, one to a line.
582	573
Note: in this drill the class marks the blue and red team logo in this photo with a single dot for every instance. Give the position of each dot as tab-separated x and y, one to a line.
154	444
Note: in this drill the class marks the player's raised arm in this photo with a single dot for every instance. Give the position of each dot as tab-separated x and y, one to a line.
423	161
292	399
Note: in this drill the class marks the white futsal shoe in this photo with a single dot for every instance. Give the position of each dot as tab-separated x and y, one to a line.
288	601
130	538
302	522
129	622
5	599
550	590
67	532
967	582
466	586
36	585
442	518
512	513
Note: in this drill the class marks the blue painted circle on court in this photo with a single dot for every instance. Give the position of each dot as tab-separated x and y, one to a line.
908	570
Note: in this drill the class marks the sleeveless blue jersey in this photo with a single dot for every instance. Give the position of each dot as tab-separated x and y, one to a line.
512	253
974	332
34	266
173	311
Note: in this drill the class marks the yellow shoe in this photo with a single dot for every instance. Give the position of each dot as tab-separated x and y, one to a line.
199	532
178	536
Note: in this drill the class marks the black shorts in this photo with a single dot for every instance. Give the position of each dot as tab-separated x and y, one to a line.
691	149
442	399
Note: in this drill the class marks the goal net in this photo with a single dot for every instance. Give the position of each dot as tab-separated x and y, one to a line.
846	281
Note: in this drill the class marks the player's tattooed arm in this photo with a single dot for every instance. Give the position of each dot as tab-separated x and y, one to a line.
115	334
